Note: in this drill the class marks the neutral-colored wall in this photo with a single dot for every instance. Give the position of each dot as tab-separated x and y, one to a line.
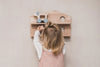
16	47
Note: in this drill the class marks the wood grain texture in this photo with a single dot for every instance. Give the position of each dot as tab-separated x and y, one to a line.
54	17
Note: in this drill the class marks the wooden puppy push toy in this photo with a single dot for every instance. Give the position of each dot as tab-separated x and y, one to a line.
39	20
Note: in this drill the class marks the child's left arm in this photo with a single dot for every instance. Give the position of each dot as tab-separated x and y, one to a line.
37	43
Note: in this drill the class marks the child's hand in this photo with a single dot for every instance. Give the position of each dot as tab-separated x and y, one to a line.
40	28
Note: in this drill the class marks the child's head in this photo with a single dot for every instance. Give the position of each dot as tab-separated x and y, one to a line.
52	38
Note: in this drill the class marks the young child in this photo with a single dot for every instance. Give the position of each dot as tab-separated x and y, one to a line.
49	45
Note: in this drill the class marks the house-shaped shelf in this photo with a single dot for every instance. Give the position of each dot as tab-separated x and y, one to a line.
63	20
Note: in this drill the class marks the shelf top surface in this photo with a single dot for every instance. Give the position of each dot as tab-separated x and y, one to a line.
55	23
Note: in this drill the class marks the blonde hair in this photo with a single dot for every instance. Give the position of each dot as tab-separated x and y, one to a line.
52	38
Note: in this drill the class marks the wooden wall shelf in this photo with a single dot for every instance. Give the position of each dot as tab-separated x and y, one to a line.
54	17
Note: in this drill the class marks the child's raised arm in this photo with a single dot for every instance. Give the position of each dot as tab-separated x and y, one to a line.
36	41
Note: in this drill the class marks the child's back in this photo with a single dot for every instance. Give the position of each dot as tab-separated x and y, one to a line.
48	59
51	48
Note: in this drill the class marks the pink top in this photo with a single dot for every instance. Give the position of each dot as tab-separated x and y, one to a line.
46	57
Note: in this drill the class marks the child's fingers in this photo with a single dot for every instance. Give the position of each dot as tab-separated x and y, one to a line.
38	28
41	27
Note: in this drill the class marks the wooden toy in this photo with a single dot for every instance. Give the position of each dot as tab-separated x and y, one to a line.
41	18
38	17
63	20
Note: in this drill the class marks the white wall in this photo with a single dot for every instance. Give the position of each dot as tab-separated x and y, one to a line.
16	47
